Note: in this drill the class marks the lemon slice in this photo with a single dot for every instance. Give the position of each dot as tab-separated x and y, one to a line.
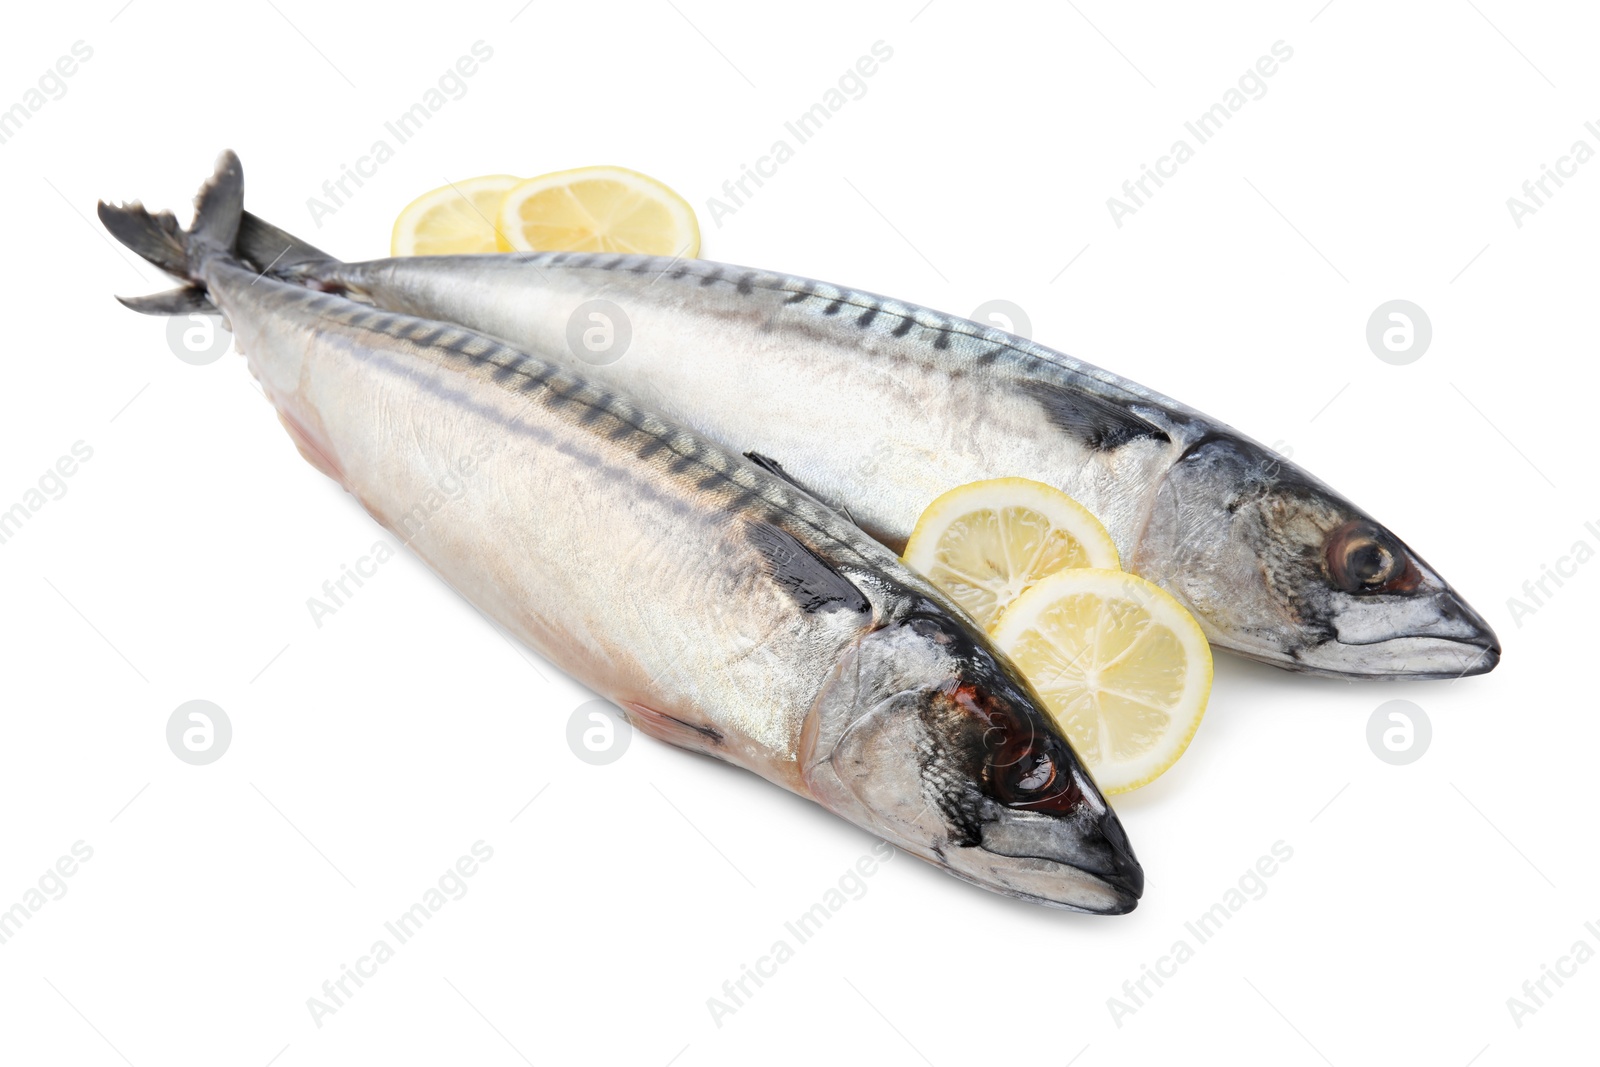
987	543
598	209
458	219
1122	666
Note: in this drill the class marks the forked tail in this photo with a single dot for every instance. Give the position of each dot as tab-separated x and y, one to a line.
157	237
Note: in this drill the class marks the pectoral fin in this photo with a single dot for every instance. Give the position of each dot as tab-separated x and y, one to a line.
815	585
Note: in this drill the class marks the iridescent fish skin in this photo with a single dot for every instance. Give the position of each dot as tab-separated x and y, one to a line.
878	406
724	610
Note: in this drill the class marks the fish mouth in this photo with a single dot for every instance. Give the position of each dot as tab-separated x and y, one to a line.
1416	656
1449	640
1077	861
926	766
1076	865
1431	633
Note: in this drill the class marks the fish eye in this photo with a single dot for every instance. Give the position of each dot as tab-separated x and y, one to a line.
1369	563
1032	773
1021	778
1037	781
1026	768
1363	559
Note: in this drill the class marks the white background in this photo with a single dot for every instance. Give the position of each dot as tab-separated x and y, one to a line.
370	753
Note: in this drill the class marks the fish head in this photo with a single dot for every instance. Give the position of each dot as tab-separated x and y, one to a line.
927	737
1278	567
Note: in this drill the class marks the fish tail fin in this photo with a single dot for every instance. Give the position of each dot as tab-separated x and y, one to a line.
185	300
182	253
280	253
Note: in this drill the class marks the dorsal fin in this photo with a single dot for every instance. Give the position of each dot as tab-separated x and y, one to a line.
772	466
776	469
